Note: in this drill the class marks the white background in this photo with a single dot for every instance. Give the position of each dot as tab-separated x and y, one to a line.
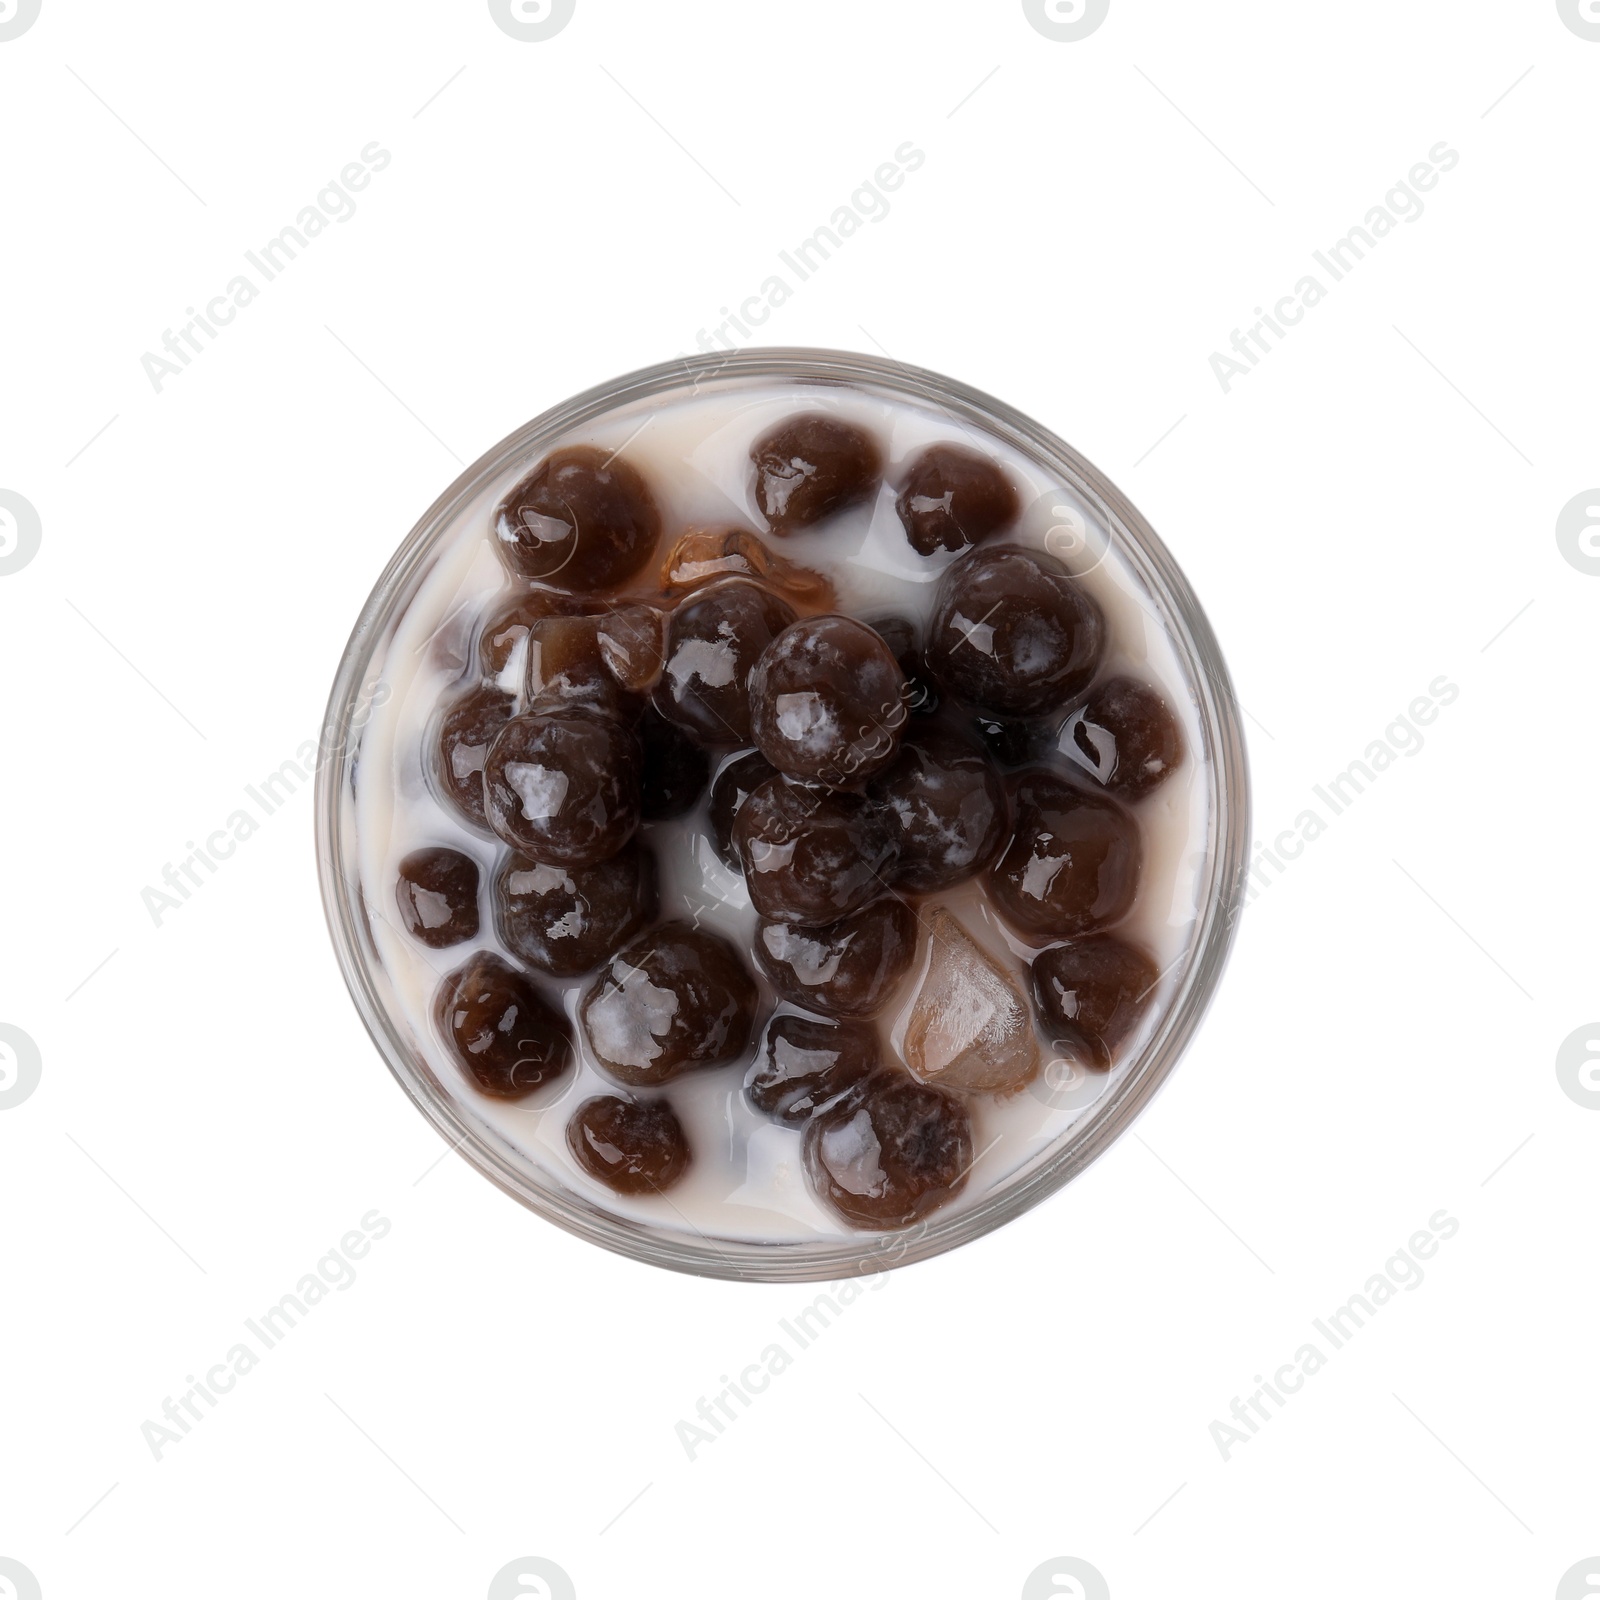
1374	506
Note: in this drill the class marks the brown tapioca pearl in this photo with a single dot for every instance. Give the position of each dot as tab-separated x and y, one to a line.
437	892
563	787
811	466
736	781
904	640
468	725
675	768
673	999
953	498
1013	744
1091	994
1072	866
827	702
633	645
704	554
567	920
888	1152
1125	737
805	1063
583	519
847	968
1013	633
500	1029
566	670
812	855
631	1146
506	624
949	806
713	640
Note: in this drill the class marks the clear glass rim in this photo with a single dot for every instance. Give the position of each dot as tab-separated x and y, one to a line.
1221	891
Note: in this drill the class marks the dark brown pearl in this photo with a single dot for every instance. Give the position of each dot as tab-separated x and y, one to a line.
812	855
954	498
506	623
827	702
735	782
1013	744
675	768
1091	994
633	645
805	1063
468	725
583	518
1072	866
848	968
631	1146
949	806
889	1152
563	787
566	670
904	640
811	466
567	920
437	891
675	999
1013	633
715	637
499	1028
1125	737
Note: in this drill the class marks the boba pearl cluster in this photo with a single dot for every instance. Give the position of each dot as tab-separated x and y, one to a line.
853	770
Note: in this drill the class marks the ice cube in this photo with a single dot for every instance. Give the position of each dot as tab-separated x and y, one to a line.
970	1030
705	554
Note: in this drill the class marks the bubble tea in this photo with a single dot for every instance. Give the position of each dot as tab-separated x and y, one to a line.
782	822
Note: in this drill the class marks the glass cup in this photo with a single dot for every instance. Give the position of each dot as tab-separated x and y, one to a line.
1221	873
